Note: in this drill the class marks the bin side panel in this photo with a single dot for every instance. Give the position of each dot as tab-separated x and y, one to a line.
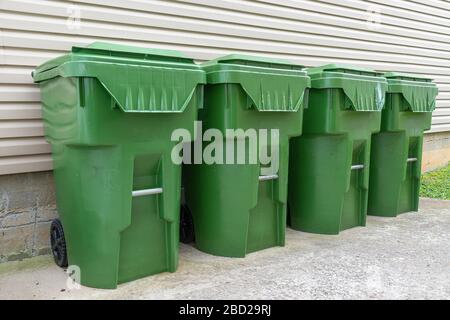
60	116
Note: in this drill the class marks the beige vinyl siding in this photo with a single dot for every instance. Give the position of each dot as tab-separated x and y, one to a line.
412	37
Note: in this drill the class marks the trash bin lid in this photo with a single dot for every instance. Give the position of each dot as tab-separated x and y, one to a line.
275	85
254	61
139	79
110	52
406	76
364	87
419	91
343	68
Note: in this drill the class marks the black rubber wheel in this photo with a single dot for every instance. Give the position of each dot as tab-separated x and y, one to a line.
58	243
187	234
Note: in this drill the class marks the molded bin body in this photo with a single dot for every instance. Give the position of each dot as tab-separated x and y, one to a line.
239	207
329	163
109	111
397	150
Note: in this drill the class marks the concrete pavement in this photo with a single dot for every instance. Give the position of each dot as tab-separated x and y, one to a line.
407	257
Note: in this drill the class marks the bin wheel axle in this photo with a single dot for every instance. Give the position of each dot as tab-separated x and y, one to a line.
187	234
58	243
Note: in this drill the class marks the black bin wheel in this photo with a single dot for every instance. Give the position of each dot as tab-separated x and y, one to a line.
187	234
58	243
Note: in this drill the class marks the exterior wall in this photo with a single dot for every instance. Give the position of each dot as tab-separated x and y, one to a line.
406	36
27	207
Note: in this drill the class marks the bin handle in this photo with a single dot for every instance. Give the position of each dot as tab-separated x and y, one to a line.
357	167
268	177
146	192
411	159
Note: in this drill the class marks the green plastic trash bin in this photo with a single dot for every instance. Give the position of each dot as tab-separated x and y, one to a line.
397	150
329	163
236	208
109	111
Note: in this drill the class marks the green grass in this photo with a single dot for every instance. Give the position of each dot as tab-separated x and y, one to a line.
436	184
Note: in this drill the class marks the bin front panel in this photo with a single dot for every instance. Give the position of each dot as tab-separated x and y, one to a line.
242	213
397	149
330	162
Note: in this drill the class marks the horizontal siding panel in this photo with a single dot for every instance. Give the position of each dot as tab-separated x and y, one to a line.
328	19
224	42
442	79
17	111
443	104
240	20
444	95
361	13
21	128
93	15
436	33
15	75
28	57
412	38
444	87
432	8
441	120
439	128
441	112
386	9
20	55
19	164
24	146
63	42
20	93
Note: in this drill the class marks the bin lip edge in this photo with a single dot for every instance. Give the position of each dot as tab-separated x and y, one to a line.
333	66
336	82
125	49
76	53
392	75
58	70
214	71
222	60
